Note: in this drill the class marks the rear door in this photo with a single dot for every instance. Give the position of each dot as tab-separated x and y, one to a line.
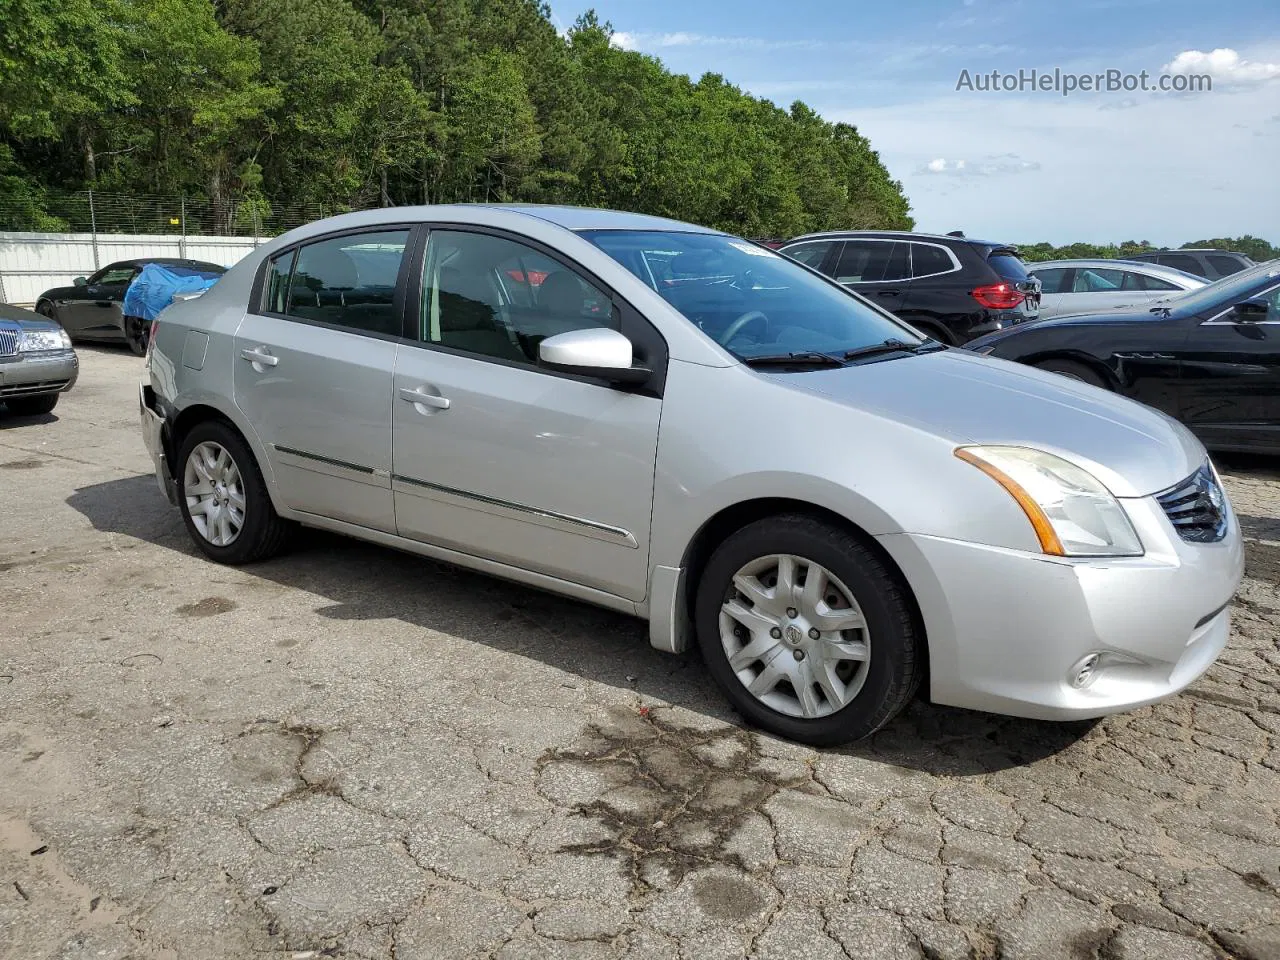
313	371
1098	289
879	269
1230	378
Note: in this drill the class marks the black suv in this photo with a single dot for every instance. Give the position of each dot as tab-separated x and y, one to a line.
1207	262
949	287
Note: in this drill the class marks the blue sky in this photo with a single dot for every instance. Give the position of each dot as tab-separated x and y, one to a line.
1017	166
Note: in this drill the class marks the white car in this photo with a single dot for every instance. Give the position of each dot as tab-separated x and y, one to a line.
1095	286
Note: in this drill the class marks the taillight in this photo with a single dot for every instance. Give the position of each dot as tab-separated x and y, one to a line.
999	296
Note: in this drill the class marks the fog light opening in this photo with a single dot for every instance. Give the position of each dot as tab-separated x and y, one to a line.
1085	671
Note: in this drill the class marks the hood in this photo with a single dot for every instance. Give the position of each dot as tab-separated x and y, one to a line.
1136	314
1133	449
10	315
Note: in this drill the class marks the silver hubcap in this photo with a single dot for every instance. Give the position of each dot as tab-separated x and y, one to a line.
795	636
215	493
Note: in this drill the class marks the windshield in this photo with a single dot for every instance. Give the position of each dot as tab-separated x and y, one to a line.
1224	292
750	300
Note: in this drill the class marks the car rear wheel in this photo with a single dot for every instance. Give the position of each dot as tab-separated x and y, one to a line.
1074	370
807	631
32	406
223	498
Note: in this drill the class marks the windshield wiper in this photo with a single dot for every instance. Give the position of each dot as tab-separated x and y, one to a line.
798	359
891	345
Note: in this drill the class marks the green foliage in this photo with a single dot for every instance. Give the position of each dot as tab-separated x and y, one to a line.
259	105
1258	250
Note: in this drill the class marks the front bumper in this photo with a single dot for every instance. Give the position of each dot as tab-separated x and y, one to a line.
153	437
25	375
1008	631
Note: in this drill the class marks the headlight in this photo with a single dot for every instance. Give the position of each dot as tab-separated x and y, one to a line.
34	341
1072	513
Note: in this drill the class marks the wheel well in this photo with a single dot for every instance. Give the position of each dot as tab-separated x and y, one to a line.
1088	362
732	519
185	421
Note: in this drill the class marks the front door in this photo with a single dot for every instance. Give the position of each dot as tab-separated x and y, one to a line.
313	369
499	458
1231	378
96	311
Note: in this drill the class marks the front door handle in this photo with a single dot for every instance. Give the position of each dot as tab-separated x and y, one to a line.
259	355
420	397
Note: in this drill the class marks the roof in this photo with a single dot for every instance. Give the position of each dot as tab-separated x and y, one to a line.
1230	253
911	234
594	218
1104	263
173	262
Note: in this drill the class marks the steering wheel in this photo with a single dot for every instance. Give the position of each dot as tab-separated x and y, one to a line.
736	327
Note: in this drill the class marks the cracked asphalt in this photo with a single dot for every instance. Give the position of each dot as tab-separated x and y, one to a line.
349	752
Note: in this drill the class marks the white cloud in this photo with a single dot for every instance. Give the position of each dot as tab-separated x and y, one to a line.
623	40
1225	65
989	166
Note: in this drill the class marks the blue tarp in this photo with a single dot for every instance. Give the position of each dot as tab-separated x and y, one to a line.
156	285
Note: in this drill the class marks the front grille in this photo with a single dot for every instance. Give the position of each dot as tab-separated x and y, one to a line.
1197	507
8	341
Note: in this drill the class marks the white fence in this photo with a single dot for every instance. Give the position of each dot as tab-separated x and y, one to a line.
31	263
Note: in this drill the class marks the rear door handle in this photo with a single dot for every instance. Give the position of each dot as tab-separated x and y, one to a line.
420	397
888	293
259	355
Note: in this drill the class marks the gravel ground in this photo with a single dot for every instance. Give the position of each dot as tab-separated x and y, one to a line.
350	752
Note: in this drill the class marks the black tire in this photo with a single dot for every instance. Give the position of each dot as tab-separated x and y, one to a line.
1074	370
136	333
264	533
896	663
32	406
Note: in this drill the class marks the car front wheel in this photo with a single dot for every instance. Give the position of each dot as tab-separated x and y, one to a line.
808	632
223	498
32	406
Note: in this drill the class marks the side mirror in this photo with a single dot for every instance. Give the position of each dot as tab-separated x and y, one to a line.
1253	310
597	352
80	282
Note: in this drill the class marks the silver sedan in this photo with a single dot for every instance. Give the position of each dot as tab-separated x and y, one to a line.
684	426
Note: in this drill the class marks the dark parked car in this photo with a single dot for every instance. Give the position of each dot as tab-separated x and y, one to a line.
37	362
1206	262
91	308
949	287
1209	357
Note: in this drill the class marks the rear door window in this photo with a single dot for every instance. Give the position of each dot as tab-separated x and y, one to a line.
349	281
863	261
899	264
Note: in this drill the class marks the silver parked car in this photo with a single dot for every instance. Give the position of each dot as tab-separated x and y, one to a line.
37	362
685	426
1094	286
